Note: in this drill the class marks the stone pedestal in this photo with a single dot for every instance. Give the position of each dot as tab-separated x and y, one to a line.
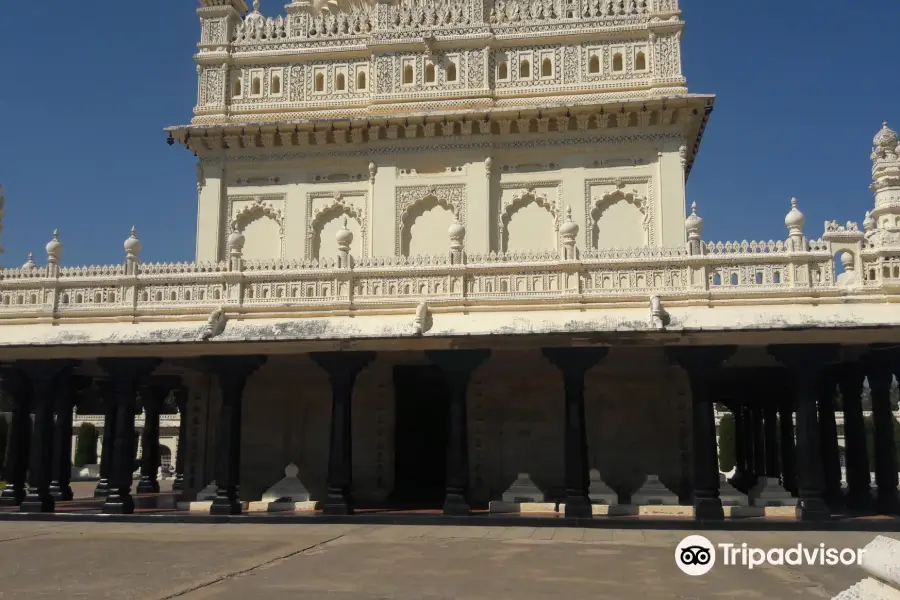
208	493
653	492
523	490
768	491
289	489
730	495
599	492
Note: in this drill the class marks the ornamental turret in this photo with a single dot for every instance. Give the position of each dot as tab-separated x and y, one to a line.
344	238
693	225
54	254
794	221
132	251
886	180
568	232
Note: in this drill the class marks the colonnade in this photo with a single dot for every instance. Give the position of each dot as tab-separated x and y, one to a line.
807	467
39	455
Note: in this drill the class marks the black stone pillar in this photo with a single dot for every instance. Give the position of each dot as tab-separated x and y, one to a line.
108	401
457	366
17	388
740	450
859	481
701	364
879	372
47	379
232	373
770	420
831	454
126	375
759	440
787	446
60	487
574	363
153	397
342	369
807	364
751	473
180	395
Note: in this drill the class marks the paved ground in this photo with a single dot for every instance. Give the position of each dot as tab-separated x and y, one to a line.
85	489
373	562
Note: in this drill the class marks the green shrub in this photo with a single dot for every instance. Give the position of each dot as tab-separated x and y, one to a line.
86	445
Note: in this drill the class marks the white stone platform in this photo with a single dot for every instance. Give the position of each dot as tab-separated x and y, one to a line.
501	507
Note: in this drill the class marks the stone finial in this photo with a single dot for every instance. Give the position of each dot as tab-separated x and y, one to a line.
30	263
373	170
457	233
568	231
54	249
132	245
256	6
344	237
847	261
236	241
794	219
694	222
886	138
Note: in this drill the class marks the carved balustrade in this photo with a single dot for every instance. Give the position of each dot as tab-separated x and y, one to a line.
733	271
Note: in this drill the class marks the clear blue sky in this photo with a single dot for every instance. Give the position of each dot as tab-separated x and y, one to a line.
802	85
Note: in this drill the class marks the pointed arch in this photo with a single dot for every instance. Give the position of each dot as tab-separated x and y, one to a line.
519	201
255	209
336	206
413	201
604	202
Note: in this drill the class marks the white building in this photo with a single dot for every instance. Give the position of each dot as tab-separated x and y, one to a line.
478	208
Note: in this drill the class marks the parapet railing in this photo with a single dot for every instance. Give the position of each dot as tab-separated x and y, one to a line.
347	283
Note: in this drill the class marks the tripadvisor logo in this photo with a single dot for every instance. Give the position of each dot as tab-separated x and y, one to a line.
696	555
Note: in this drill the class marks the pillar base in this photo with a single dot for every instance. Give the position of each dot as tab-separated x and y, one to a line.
456	505
708	509
226	503
12	495
147	485
813	509
102	489
61	492
888	502
578	507
178	484
118	503
38	502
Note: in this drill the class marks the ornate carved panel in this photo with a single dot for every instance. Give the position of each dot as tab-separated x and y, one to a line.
451	196
351	203
612	189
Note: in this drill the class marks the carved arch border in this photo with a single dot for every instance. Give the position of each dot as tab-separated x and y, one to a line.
338	202
258	203
590	203
451	196
528	189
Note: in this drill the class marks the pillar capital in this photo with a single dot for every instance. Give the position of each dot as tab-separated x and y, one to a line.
342	365
231	369
805	358
575	361
700	360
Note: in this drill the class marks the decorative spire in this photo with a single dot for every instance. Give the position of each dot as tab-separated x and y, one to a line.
456	232
132	245
30	263
569	229
886	138
794	219
54	249
694	222
344	237
256	6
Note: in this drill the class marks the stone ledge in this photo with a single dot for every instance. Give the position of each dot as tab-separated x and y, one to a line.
523	507
262	506
202	506
750	512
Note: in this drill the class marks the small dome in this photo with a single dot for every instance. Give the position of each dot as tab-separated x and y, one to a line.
456	231
236	239
795	218
132	244
569	227
694	222
344	236
847	260
30	264
886	138
54	246
869	222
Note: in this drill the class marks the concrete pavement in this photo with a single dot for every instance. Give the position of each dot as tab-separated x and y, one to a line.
375	562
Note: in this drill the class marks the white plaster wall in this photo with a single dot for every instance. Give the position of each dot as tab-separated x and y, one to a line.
374	200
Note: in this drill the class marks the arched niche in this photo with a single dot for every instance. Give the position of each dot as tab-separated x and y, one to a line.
528	222
263	227
325	225
425	225
620	220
